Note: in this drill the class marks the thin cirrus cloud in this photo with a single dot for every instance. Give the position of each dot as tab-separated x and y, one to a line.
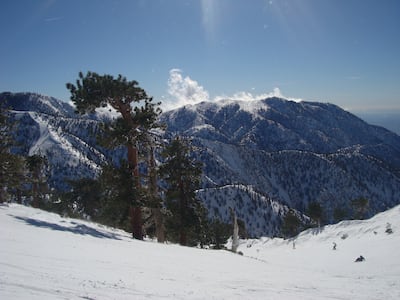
183	90
53	19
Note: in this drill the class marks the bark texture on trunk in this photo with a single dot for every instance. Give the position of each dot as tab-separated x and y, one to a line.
136	222
135	210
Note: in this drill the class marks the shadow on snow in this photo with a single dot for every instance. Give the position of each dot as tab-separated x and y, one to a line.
76	229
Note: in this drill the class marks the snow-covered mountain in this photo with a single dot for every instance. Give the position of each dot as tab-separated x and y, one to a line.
290	153
260	157
44	256
50	127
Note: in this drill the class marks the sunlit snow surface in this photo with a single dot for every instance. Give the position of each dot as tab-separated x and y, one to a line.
44	256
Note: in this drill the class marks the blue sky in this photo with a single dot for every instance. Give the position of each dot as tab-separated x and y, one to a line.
345	52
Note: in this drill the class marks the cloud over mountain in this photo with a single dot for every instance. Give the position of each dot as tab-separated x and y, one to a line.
184	90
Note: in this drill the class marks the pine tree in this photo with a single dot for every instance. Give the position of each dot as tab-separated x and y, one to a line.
92	91
150	142
360	207
339	213
84	198
117	189
291	224
155	223
219	232
156	204
315	212
37	178
12	170
182	174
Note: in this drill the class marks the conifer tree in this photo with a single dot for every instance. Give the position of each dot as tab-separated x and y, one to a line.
83	200
150	140
339	213
291	224
219	233
116	186
360	207
137	111
182	174
12	169
37	178
314	210
155	202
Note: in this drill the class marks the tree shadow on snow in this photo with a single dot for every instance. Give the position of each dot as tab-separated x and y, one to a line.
76	229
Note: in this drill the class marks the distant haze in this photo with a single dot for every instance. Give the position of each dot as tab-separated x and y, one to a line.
388	119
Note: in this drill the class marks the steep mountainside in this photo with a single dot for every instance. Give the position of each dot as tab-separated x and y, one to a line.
276	124
49	127
294	153
261	158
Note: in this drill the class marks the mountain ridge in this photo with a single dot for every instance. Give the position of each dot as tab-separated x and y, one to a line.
280	153
294	152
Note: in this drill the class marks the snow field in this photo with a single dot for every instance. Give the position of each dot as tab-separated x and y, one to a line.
45	256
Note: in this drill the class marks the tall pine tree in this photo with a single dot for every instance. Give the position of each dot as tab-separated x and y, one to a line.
137	111
12	169
182	173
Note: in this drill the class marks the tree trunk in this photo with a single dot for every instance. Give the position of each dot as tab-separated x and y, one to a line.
183	237
183	211
136	222
159	222
135	209
35	193
156	210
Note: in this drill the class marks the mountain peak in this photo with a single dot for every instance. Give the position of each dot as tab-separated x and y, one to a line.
274	124
37	103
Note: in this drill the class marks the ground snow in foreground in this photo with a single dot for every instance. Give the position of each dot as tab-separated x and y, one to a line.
44	256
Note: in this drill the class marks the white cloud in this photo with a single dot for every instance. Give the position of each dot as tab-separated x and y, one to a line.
247	96
184	90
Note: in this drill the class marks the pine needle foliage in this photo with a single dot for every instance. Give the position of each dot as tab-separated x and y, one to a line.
182	173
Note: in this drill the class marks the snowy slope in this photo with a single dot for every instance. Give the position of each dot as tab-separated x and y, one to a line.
49	127
44	256
261	215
